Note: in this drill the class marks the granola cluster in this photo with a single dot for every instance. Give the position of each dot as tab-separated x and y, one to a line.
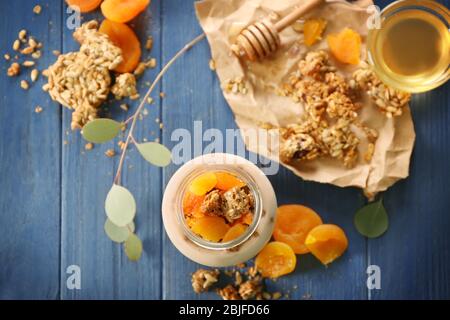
390	101
245	285
203	279
80	80
327	128
125	86
231	205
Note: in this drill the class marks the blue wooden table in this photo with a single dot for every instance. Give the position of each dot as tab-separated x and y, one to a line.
52	190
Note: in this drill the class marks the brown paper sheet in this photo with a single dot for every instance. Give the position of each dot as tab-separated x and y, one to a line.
222	20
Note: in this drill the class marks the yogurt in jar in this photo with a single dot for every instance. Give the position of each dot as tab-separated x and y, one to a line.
219	253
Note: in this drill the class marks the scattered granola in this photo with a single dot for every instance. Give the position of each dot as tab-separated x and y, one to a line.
229	293
151	63
37	9
16	45
235	86
24	85
13	70
251	289
390	101
203	279
34	75
124	107
7	57
38	109
28	63
125	86
212	64
88	146
110	153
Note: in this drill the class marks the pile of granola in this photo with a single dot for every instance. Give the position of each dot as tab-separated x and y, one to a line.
246	285
81	80
331	106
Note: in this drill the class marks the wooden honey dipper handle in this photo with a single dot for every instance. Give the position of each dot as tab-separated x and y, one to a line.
307	6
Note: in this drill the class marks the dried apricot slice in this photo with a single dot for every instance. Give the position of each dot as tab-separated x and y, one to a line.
293	223
345	46
226	181
123	10
84	5
234	232
326	242
210	228
125	38
191	202
312	30
203	183
276	259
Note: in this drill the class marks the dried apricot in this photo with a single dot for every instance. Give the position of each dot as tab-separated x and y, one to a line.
203	183
125	38
234	232
84	5
123	10
210	228
191	202
276	259
226	181
312	30
345	46
293	223
326	242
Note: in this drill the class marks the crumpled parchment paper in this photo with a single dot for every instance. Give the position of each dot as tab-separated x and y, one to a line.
222	20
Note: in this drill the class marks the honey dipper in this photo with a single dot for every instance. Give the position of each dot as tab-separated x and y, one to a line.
260	39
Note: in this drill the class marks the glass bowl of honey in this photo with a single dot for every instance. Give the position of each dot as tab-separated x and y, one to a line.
410	48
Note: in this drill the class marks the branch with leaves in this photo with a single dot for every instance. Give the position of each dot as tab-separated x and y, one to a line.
120	205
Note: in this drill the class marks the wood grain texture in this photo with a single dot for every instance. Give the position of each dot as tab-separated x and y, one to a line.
52	200
30	170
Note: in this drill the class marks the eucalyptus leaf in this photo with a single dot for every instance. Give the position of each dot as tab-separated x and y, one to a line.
116	233
120	206
101	130
133	247
155	153
372	220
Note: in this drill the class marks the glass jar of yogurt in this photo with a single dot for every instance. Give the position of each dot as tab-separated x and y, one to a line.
201	239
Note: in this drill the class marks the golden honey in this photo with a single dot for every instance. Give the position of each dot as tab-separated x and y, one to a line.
411	50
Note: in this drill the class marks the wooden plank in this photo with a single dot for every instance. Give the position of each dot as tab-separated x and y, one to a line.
193	93
29	163
87	177
413	255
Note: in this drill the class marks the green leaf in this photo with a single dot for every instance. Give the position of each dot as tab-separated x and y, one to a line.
133	247
155	153
372	220
101	130
116	233
120	206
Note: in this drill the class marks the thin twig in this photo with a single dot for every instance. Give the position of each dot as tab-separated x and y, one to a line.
142	104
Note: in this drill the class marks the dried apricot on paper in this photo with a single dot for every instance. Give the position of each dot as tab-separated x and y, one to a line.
312	30
226	181
327	242
210	228
345	46
276	259
84	5
125	38
123	10
234	232
203	183
293	223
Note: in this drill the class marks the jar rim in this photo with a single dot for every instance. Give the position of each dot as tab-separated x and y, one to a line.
242	175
